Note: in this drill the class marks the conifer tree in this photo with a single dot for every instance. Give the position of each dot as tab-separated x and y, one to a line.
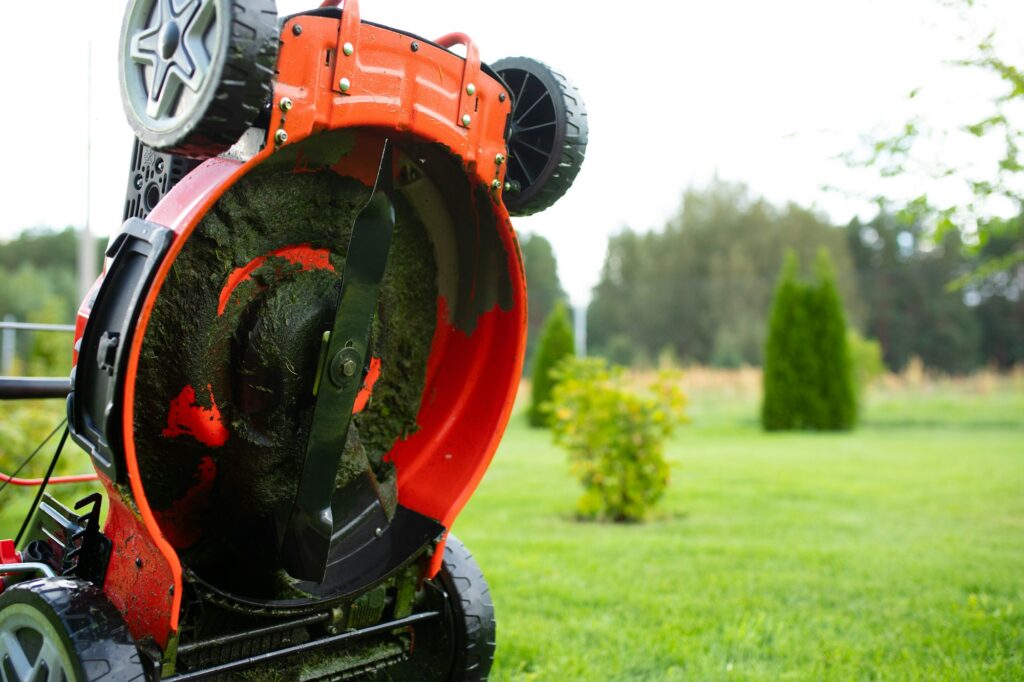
808	378
556	342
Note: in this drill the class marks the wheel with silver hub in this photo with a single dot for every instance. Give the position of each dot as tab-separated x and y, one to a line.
195	74
59	630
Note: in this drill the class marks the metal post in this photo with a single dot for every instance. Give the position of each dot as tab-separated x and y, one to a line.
580	329
8	348
86	242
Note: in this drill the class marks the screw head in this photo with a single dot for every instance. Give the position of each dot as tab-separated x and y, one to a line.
297	29
281	136
466	120
499	159
502	96
470	89
286	104
348	49
508	186
495	183
415	47
349	368
344	84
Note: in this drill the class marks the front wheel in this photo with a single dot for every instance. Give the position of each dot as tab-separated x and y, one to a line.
62	630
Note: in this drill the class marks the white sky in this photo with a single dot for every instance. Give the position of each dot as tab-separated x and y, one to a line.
765	92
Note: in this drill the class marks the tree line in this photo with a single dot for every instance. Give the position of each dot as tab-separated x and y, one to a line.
700	289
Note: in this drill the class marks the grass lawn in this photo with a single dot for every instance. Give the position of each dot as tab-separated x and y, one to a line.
894	552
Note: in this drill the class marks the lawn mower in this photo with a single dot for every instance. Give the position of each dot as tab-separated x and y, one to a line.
299	359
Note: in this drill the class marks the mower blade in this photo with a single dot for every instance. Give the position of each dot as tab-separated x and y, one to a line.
310	529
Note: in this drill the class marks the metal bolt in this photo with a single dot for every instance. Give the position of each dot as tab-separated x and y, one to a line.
138	562
378	532
499	159
466	120
415	47
286	104
138	182
297	29
349	367
495	183
470	89
159	165
501	96
508	186
344	84
348	49
281	136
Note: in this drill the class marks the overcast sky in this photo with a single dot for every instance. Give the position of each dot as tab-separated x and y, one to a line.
761	92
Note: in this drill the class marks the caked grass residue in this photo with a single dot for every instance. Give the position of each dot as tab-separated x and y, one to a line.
260	356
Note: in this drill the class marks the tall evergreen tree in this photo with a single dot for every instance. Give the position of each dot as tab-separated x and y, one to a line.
556	342
808	377
543	287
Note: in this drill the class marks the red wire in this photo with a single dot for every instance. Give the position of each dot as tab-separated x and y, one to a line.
56	480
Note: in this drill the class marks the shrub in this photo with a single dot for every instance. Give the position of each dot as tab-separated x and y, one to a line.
615	436
866	361
556	342
808	378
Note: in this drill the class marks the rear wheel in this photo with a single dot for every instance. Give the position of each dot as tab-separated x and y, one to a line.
56	629
195	74
472	612
547	136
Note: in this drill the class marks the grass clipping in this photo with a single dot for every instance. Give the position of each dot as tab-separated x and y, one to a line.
256	360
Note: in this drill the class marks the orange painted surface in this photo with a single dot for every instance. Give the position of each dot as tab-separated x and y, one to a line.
303	255
182	522
185	417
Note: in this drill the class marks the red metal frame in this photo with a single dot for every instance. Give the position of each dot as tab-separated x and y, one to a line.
417	93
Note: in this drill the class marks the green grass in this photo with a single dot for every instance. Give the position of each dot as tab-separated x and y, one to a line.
893	552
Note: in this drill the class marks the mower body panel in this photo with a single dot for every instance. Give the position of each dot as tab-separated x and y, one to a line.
337	73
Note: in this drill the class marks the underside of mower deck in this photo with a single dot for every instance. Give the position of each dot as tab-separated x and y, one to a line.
300	358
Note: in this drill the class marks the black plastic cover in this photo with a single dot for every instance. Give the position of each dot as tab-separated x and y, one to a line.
95	404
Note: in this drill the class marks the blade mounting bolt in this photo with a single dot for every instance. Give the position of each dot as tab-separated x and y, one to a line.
466	120
470	89
499	159
344	84
349	368
286	104
348	49
281	136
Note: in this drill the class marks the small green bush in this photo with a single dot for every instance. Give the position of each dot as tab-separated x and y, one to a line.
808	375
556	342
615	435
866	360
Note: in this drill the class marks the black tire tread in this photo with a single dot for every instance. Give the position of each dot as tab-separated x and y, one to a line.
245	84
96	632
571	152
471	602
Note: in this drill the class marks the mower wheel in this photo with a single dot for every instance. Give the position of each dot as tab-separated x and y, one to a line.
473	619
195	74
67	630
547	138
